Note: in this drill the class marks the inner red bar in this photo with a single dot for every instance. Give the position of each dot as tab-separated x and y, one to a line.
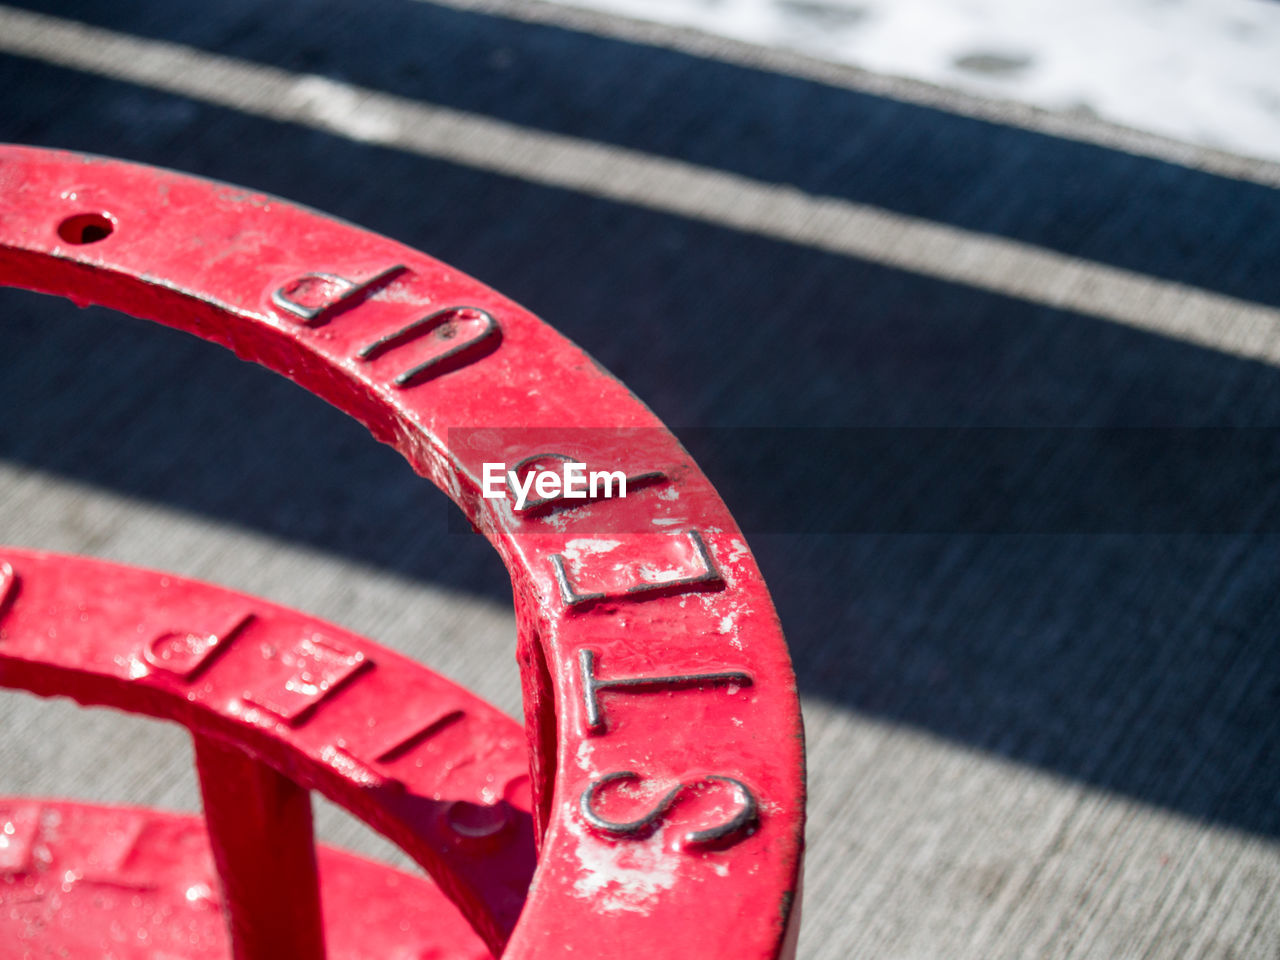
261	833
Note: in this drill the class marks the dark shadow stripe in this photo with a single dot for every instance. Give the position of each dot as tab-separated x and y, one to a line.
1132	212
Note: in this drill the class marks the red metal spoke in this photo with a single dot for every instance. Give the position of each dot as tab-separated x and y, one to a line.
260	832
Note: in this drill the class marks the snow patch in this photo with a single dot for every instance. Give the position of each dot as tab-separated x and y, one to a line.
1201	71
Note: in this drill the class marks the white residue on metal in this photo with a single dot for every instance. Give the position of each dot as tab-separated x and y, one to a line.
651	574
622	877
560	519
400	291
729	627
557	520
666	521
739	551
575	550
583	757
670	493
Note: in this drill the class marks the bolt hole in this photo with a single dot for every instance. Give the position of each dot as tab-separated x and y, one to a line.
86	228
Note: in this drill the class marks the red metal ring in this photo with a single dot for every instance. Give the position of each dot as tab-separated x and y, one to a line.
631	612
278	703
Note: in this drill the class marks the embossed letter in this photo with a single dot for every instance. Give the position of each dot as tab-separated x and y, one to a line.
316	667
727	832
458	335
185	653
592	685
314	297
687	551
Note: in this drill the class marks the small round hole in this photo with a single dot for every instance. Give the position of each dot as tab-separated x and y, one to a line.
86	228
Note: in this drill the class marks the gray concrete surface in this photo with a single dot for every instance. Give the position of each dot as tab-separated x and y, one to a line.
1041	681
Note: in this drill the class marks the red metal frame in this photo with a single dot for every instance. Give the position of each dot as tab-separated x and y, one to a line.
663	724
278	703
142	885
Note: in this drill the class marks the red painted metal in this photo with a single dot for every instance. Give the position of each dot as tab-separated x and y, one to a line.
80	900
278	703
663	726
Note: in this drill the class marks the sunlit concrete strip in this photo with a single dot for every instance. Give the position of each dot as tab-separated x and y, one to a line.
700	193
1070	126
924	847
